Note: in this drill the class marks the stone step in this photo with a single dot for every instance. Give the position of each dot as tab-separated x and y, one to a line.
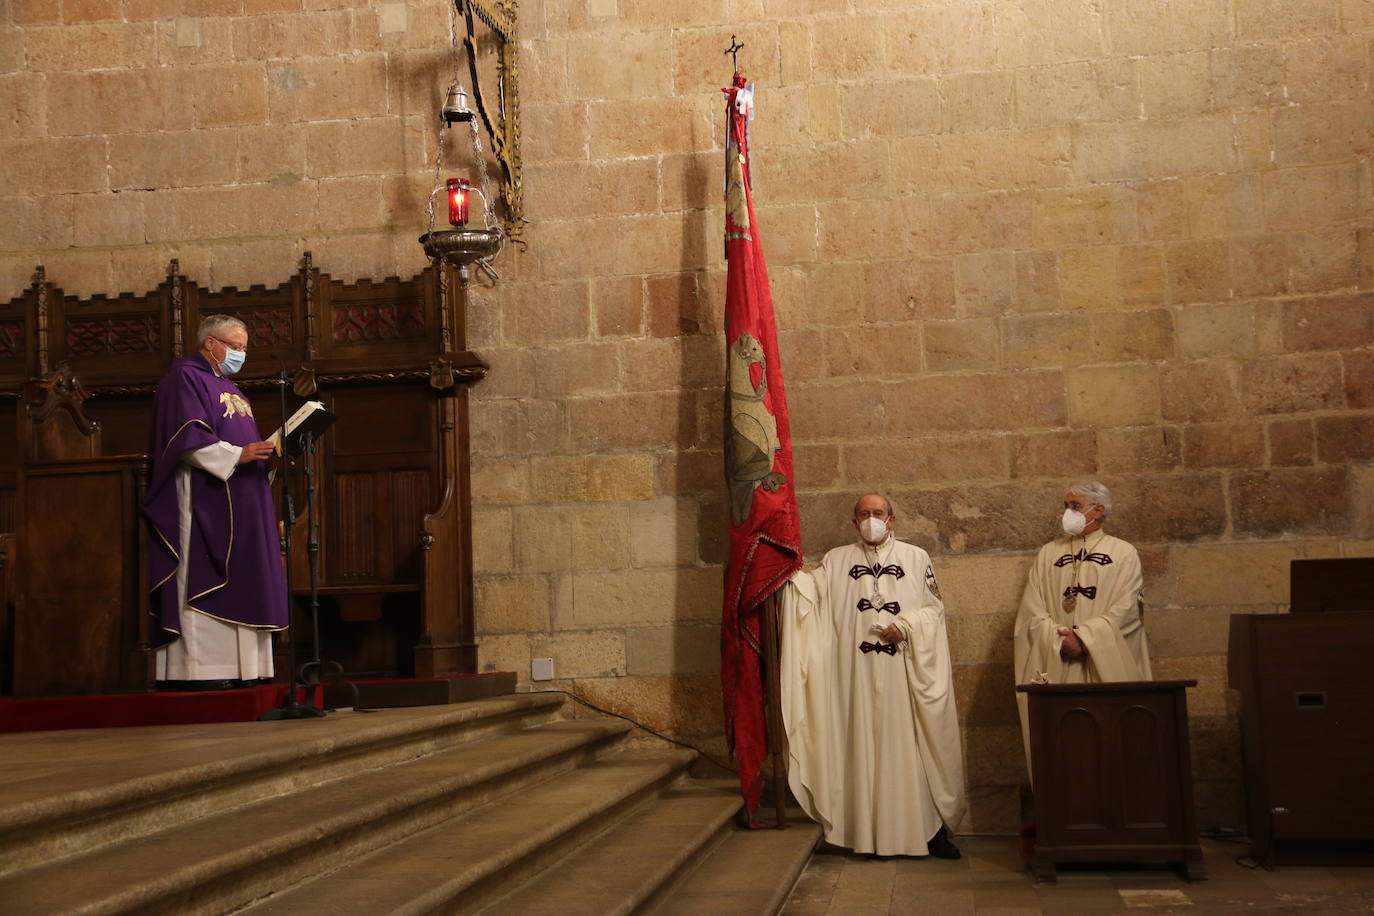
216	863
69	793
751	873
464	864
630	864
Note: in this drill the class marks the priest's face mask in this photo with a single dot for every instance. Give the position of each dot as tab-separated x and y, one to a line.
1080	514
873	519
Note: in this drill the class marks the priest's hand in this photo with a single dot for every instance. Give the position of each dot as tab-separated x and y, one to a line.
1072	648
892	634
256	451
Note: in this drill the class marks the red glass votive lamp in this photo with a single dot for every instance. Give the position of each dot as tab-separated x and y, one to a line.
458	189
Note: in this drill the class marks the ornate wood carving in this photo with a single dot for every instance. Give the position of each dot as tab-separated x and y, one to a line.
176	285
11	338
503	121
40	285
103	336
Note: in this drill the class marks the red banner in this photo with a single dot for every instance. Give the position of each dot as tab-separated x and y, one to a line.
765	534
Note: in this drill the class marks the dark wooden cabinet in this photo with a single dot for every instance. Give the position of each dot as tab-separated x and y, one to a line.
1112	774
1307	722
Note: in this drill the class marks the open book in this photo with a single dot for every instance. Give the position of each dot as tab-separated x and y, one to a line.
311	419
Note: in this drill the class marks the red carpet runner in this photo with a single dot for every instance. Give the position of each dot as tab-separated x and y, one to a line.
123	710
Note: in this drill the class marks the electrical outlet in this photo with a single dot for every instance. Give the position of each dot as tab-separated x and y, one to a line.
541	669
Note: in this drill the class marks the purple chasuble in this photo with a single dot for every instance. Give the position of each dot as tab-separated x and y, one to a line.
234	564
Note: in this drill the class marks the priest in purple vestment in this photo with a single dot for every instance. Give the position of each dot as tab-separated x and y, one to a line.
218	588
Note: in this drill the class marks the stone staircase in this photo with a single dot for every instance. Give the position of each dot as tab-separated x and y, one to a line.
494	806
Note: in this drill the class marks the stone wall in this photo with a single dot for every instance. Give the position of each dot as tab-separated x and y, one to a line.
1012	243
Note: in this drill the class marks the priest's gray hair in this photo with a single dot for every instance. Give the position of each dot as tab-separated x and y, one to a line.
213	325
1099	494
891	509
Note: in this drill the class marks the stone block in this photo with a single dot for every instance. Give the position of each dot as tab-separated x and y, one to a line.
1055	454
514	604
1346	438
1254	140
1142	27
545	540
351	203
832	295
275	153
364	146
50	222
1313	197
328	88
1089	277
907	290
684	705
994	754
1031	341
626	65
663	532
1290	501
1221	330
617	304
1198	271
1215	743
1223	445
1037	281
228	94
832	410
90	10
881	229
979	639
1359	378
1177	85
656	420
1073	217
506	653
173	159
1247	76
97	46
1211	696
106	102
581	654
1201	391
228	212
927	460
1334	323
672	650
600	535
1126	395
583	368
975	102
1232	575
1259	265
1072	93
1291	442
1321	261
650	127
558	130
984	694
970	343
1329	132
1118	337
802	354
101	220
794	52
1286	19
1035	32
903	108
981	222
593	478
988	585
1139	448
492	542
1140	270
545	313
984	283
1169	508
964	403
281	36
639	597
977	518
1357	15
915	40
1291	384
23	101
887	351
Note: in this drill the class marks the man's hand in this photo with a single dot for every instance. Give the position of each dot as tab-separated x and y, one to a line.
1072	649
256	451
892	634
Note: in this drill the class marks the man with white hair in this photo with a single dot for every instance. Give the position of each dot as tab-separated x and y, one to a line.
1081	619
868	695
213	555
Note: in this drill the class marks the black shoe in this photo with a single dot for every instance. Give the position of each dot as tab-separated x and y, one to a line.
940	847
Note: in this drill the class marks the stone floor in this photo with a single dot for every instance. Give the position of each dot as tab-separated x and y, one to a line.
990	881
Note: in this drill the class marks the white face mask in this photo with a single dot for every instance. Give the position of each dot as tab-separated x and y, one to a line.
1074	522
873	530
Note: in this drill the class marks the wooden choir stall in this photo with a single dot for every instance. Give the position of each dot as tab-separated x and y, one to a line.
77	377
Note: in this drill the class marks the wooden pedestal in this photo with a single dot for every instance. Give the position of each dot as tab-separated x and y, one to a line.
1112	775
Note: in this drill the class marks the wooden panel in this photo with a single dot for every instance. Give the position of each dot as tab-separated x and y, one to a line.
9	462
411	499
1080	775
353	528
1144	768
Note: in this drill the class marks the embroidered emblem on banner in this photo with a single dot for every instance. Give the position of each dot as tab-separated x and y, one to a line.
1101	559
932	584
892	607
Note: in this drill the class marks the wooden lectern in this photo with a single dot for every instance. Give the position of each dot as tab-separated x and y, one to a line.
1112	774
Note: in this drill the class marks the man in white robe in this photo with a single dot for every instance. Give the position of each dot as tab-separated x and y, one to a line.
868	695
1081	619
